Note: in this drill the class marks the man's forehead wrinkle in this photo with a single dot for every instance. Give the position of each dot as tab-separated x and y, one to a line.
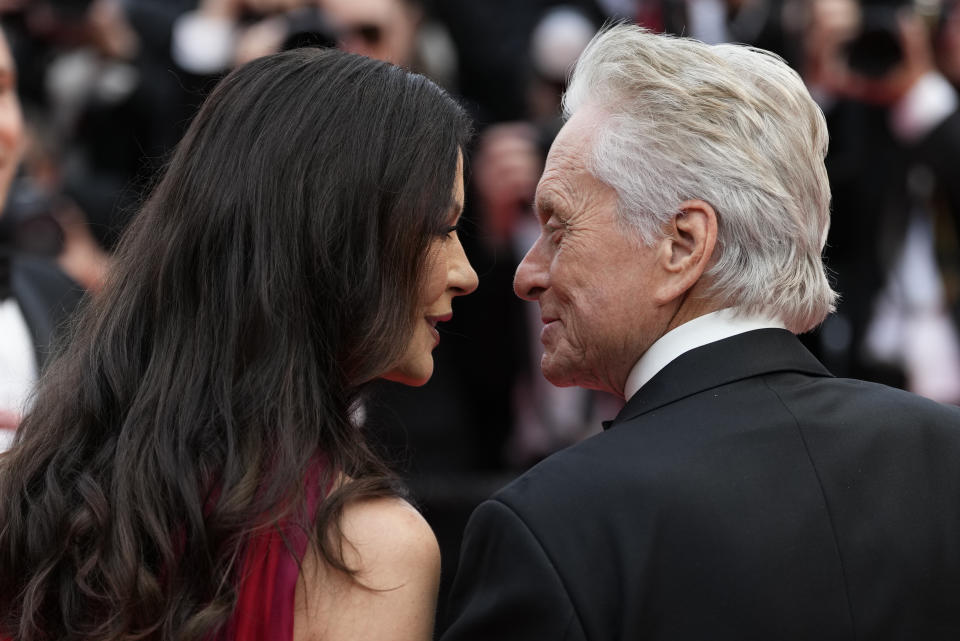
557	186
553	196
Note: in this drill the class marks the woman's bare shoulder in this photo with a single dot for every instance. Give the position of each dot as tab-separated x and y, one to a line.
394	590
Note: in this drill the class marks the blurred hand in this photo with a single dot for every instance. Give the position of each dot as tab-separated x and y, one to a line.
82	258
232	9
506	171
831	23
265	7
260	39
111	32
950	45
228	9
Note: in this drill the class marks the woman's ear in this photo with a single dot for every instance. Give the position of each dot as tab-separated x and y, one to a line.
686	249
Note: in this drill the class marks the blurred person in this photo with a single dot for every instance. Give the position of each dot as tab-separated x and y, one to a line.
756	22
381	29
35	296
220	34
103	102
506	167
192	467
895	127
742	492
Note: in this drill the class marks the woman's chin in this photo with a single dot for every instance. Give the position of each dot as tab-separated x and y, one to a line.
412	376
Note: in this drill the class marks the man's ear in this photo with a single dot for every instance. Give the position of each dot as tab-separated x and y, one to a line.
686	249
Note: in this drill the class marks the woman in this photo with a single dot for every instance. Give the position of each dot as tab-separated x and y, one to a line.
190	469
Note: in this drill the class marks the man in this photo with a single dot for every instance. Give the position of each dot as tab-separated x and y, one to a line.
742	492
35	295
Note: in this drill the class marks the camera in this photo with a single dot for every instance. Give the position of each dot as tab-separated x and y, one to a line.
308	27
876	48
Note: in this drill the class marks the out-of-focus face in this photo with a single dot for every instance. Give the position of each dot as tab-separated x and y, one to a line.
447	274
591	278
381	29
11	121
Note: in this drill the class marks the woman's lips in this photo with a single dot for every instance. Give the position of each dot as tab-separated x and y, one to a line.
433	320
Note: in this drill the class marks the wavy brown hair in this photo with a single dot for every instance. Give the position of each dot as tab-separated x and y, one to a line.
273	271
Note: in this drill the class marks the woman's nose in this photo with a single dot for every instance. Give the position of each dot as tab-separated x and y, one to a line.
462	277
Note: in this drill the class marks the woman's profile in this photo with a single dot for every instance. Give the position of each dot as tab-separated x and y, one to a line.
191	468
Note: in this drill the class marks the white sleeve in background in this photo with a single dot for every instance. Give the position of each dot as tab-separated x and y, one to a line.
926	105
6	439
203	44
18	363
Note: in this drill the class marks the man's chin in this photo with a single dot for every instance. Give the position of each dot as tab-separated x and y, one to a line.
557	374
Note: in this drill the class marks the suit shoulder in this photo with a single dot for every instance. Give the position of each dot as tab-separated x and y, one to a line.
30	271
857	402
578	479
45	293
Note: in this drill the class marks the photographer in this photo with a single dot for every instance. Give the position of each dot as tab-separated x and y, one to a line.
35	295
895	146
221	34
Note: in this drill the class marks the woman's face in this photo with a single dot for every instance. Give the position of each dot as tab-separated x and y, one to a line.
447	274
11	121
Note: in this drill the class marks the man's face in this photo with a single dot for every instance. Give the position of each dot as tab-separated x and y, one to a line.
593	280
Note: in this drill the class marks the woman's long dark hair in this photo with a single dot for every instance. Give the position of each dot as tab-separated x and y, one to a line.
272	272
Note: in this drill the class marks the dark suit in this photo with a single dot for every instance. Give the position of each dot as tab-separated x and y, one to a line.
743	493
46	297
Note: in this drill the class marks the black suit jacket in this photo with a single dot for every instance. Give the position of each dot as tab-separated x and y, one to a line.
46	297
743	493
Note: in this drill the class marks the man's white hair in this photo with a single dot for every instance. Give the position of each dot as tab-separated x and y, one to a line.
728	124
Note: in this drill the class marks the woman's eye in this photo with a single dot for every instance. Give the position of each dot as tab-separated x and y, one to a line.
448	232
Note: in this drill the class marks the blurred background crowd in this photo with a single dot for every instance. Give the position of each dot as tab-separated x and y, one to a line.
108	86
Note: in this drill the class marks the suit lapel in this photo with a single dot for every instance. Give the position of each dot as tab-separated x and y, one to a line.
753	353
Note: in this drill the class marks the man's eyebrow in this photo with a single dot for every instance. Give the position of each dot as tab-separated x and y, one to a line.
544	207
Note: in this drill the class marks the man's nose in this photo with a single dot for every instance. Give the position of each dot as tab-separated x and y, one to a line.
532	274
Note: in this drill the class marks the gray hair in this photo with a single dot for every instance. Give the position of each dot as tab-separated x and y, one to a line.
728	124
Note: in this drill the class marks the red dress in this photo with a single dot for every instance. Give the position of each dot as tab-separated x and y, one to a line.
267	586
268	579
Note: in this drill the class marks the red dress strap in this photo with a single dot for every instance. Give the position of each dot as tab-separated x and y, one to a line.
268	578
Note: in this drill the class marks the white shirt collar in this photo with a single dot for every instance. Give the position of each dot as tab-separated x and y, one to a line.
704	329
